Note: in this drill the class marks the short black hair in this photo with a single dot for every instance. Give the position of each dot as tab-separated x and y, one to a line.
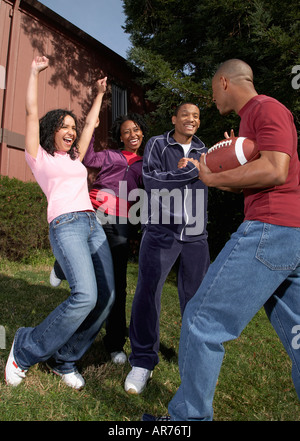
50	123
182	104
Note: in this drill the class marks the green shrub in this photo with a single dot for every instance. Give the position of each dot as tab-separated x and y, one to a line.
23	219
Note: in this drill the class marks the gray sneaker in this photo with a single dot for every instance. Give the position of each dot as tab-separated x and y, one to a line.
54	280
118	357
149	417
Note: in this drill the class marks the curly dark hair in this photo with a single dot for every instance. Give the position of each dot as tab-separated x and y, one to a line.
50	123
116	128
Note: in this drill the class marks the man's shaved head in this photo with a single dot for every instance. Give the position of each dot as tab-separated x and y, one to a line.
232	86
235	70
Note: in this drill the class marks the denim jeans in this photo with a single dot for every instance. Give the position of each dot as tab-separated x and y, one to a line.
259	266
81	248
117	234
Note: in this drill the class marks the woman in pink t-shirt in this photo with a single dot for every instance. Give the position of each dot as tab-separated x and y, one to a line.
78	241
119	171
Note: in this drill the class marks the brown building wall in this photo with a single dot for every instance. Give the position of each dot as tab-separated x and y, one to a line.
27	29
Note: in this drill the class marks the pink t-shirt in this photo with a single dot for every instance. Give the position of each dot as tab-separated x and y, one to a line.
63	180
271	125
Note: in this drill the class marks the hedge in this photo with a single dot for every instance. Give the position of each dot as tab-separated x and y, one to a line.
23	219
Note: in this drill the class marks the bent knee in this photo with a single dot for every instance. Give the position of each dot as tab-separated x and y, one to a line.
85	300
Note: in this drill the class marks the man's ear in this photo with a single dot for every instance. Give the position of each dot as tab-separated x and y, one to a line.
224	83
174	120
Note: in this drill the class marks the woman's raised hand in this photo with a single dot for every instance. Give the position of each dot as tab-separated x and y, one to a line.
40	63
102	85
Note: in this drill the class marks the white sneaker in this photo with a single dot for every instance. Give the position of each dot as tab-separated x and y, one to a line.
13	374
73	379
54	280
118	357
136	380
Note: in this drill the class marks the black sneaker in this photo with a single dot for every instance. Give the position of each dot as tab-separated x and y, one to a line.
148	417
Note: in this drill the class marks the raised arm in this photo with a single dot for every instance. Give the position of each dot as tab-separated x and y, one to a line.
91	118
32	132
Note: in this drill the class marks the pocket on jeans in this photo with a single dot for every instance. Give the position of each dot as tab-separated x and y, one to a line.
279	248
63	219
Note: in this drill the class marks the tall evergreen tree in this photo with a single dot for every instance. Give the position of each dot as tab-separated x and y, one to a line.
177	46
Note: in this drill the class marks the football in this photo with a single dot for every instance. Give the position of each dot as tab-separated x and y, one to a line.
231	153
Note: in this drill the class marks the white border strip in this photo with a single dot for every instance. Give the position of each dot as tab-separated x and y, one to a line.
239	150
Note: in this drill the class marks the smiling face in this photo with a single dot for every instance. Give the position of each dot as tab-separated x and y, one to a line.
131	136
186	122
65	135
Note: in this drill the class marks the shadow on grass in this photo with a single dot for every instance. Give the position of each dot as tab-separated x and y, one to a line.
27	303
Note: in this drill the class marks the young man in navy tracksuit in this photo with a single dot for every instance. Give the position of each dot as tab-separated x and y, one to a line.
174	218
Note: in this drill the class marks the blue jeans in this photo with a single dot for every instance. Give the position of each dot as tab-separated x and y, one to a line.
81	248
117	234
259	266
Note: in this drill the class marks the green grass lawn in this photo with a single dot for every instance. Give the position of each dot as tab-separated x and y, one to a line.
254	385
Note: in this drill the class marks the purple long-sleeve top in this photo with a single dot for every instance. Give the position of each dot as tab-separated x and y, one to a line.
114	166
